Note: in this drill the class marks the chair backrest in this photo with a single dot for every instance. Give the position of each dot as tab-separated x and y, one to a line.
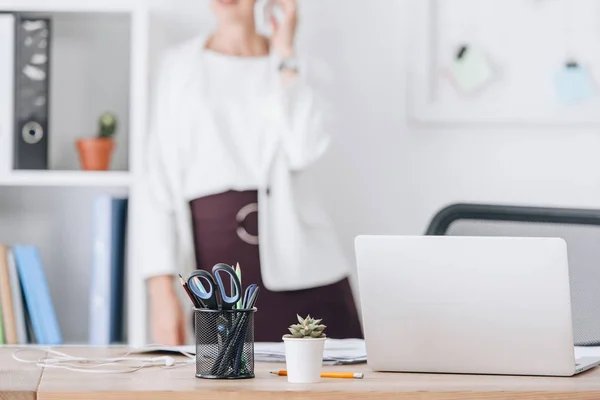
579	228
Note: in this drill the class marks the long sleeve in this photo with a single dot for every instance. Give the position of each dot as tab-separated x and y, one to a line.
156	200
305	110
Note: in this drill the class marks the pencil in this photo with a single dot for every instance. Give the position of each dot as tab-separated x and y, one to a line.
189	293
238	272
342	375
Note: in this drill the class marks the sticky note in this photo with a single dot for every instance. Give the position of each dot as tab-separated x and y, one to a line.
574	84
471	70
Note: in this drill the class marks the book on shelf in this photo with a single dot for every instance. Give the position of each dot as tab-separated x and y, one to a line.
17	299
9	325
106	325
28	314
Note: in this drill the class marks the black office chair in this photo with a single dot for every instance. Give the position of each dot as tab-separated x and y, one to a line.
579	228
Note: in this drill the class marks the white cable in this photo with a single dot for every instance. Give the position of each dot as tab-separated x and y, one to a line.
56	359
77	368
159	346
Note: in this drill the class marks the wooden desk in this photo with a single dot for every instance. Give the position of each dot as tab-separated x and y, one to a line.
24	382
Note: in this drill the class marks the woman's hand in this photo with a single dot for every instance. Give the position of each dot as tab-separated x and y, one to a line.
284	31
166	313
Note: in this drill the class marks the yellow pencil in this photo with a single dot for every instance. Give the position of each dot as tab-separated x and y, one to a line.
342	375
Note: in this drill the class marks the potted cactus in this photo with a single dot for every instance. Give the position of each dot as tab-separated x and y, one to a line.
95	153
304	347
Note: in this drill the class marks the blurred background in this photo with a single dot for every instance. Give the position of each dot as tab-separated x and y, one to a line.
436	102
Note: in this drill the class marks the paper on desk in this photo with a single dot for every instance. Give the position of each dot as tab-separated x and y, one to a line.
344	351
587	352
337	351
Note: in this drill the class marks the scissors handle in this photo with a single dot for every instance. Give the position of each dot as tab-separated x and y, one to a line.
227	301
209	297
249	296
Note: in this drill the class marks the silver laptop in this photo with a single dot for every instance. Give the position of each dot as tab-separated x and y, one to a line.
467	305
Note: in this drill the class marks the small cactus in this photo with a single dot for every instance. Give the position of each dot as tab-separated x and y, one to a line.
107	125
307	328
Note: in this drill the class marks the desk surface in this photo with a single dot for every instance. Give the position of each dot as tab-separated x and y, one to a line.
24	382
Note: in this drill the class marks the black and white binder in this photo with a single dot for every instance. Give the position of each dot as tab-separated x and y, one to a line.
7	88
32	89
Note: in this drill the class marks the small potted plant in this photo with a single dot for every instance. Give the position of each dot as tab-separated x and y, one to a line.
304	347
95	153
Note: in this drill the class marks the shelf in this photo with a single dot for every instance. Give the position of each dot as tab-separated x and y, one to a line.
67	178
79	6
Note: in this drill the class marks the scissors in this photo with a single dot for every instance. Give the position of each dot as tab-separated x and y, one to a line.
214	296
250	297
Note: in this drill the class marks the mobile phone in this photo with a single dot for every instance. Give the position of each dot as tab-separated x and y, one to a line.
265	11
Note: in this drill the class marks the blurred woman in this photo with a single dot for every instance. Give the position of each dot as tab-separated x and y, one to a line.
237	119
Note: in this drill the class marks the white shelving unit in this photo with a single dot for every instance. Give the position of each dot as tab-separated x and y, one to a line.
67	179
100	61
71	6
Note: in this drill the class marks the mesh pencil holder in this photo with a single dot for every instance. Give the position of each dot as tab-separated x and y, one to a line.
224	343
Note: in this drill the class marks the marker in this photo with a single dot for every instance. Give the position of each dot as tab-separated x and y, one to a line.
341	375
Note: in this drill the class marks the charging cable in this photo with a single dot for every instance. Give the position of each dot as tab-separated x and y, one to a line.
116	365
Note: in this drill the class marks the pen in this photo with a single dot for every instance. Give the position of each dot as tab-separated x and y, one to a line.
343	375
189	293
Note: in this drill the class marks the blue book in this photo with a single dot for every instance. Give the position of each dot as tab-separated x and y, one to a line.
37	295
119	233
108	271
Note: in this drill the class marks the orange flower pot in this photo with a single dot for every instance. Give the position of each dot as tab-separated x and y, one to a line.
95	154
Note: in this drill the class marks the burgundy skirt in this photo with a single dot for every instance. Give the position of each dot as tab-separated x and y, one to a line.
226	231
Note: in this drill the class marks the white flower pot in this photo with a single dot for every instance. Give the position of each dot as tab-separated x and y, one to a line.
304	359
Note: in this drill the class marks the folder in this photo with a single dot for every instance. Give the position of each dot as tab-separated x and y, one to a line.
7	89
32	93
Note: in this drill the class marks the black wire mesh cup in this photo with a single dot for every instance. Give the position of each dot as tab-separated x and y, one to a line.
224	343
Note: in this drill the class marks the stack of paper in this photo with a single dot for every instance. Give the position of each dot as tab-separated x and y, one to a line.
337	352
581	352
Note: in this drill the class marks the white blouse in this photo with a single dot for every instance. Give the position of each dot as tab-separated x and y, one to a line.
236	90
221	123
